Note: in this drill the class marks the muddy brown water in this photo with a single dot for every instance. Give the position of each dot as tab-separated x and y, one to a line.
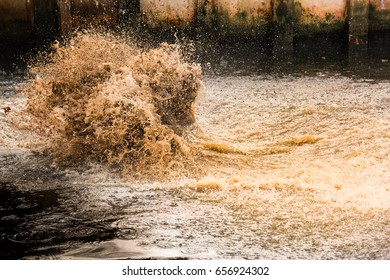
298	167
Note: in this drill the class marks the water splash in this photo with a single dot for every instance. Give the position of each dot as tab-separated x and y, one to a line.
297	165
102	99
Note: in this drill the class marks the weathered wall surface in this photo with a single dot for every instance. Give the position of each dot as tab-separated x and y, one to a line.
23	20
244	16
16	10
94	11
313	16
285	19
379	15
16	19
169	13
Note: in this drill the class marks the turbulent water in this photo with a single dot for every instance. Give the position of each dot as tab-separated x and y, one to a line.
277	166
101	99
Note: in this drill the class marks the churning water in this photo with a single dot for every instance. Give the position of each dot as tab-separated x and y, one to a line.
112	151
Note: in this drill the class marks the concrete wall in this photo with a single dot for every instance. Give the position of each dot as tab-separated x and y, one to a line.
229	16
286	19
24	20
169	13
87	12
243	17
11	10
313	16
379	15
16	19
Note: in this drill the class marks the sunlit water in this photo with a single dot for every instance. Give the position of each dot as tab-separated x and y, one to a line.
297	166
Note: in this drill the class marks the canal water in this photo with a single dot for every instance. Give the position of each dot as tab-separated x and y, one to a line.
291	161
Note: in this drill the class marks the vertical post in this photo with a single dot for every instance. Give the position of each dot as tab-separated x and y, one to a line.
358	26
283	12
64	17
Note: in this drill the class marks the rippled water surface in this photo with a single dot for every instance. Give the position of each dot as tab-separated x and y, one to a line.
297	167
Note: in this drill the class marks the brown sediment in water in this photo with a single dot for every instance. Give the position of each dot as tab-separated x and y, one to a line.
312	181
204	187
221	148
106	100
302	140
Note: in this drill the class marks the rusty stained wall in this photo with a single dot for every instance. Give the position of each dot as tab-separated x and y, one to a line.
232	16
248	17
380	4
312	16
379	15
225	17
169	13
23	21
244	16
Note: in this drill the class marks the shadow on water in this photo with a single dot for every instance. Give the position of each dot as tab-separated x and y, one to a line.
13	60
322	54
16	208
39	211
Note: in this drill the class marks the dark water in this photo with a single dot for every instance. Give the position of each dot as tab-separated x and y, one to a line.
39	210
88	212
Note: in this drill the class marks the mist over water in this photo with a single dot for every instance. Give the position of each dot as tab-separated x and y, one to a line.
250	160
